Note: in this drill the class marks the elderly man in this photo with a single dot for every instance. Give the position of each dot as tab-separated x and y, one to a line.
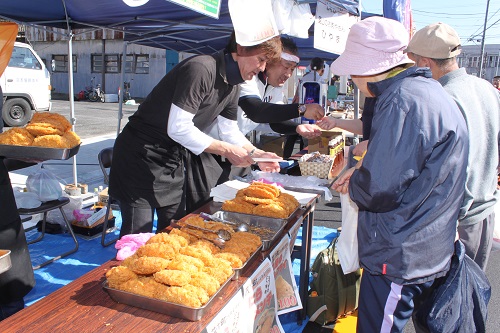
409	187
436	46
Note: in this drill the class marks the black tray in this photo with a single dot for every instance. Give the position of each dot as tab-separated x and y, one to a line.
38	153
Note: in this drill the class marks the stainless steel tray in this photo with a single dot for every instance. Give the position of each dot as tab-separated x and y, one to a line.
275	226
38	153
156	305
5	263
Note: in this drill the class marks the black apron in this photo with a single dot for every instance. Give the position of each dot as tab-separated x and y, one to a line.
19	280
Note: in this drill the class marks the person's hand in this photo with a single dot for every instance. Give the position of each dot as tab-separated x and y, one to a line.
360	148
267	166
238	156
327	123
341	185
314	111
308	131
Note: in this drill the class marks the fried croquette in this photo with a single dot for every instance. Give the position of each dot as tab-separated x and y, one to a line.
72	139
259	192
205	256
47	123
205	245
221	275
276	191
172	277
118	275
238	205
193	220
16	136
198	292
185	235
180	295
148	265
127	262
51	141
258	201
205	281
271	210
161	250
235	261
177	241
138	286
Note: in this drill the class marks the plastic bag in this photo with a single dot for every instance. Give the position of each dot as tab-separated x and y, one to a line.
75	202
347	245
45	184
27	200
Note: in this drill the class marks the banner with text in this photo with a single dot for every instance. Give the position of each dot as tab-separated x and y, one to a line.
206	7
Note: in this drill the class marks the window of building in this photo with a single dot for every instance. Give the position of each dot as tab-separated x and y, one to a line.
474	62
130	63
59	63
111	63
142	64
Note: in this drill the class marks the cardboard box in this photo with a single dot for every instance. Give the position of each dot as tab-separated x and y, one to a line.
272	143
94	230
320	144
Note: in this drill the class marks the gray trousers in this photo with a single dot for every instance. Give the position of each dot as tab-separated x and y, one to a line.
478	239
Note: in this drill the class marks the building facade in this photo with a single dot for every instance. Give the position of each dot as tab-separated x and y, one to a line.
470	59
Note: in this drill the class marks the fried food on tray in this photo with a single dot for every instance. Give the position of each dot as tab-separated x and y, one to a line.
269	187
271	210
177	241
205	282
259	192
289	202
181	295
238	205
198	292
17	136
172	277
258	201
235	261
193	220
72	139
204	255
161	250
148	265
190	238
47	123
217	273
181	265
118	275
205	245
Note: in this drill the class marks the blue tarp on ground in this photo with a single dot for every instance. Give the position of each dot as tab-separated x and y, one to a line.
91	255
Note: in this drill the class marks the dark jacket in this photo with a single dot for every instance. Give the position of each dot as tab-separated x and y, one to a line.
410	186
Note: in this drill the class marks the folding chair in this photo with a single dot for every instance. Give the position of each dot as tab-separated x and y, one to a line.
105	158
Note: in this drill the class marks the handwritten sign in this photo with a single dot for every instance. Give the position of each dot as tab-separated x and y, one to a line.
206	7
331	27
231	319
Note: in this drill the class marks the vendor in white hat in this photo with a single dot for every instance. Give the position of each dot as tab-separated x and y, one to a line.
409	186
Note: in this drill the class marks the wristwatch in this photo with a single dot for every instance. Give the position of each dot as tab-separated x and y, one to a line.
302	109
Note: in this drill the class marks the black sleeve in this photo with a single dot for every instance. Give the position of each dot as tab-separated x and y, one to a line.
262	112
287	127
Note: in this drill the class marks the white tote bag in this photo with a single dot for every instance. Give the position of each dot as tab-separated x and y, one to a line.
347	245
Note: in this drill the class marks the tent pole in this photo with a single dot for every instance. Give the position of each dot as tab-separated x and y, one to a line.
72	97
122	79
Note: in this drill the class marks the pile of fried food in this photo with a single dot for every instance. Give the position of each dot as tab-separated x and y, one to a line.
45	129
262	199
178	267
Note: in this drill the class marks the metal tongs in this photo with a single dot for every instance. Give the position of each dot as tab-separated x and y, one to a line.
241	226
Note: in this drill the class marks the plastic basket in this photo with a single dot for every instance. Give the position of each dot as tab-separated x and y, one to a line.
318	169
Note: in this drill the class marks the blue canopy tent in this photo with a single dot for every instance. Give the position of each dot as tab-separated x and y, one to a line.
157	23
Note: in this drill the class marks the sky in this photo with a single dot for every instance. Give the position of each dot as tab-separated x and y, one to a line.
465	16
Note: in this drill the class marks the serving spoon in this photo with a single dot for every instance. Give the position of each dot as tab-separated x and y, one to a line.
219	242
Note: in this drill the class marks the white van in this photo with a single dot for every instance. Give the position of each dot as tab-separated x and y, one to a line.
26	86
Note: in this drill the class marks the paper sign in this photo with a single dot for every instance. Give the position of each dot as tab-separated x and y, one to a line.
231	319
331	27
259	300
287	293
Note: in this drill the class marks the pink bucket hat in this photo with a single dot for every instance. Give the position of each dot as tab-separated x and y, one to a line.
374	45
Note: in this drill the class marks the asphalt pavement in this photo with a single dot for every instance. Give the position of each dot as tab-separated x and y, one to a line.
96	123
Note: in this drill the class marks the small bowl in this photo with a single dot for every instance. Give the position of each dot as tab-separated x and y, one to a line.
5	263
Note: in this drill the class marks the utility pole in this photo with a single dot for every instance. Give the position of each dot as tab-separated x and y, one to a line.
481	60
